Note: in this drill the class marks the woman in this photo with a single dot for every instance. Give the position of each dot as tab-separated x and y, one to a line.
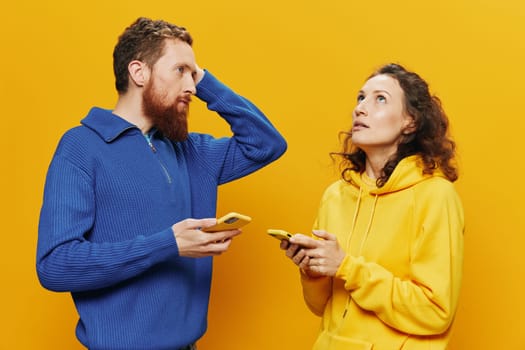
384	265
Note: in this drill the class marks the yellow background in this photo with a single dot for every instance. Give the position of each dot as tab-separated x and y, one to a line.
302	62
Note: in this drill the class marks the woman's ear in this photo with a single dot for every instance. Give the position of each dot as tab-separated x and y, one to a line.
138	72
410	126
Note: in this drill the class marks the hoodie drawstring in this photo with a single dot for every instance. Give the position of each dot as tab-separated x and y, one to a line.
363	240
369	225
354	221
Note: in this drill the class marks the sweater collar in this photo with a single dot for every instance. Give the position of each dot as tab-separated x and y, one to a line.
107	125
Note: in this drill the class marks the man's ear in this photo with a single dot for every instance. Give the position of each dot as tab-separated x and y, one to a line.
138	72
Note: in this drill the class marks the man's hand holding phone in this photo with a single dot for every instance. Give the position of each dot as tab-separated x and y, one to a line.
198	238
230	221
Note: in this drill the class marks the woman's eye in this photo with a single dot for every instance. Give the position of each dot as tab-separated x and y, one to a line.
360	98
381	99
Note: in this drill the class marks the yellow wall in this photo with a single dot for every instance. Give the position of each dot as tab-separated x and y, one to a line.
302	62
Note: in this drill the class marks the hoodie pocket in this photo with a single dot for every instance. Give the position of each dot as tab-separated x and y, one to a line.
329	341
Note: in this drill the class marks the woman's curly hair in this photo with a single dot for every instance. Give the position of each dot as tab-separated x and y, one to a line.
430	140
143	40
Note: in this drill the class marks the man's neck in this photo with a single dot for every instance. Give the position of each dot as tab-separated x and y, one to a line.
129	107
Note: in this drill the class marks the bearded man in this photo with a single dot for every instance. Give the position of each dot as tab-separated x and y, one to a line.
129	190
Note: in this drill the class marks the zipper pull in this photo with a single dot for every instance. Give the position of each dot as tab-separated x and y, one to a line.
148	139
152	147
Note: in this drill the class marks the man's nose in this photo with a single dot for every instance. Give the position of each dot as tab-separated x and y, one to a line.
189	85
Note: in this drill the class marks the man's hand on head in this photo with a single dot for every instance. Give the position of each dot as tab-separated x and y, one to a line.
199	74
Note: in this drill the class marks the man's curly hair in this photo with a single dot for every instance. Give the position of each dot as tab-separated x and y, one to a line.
144	41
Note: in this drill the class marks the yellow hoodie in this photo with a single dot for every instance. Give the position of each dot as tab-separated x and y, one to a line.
398	286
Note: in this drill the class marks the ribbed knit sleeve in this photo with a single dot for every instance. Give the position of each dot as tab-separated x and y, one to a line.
66	260
255	141
110	200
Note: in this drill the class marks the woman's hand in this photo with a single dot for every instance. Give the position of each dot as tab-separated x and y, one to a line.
316	257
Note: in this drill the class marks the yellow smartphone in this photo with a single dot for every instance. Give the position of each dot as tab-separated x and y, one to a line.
230	221
279	234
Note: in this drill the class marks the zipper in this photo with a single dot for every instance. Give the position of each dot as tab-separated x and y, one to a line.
150	144
154	150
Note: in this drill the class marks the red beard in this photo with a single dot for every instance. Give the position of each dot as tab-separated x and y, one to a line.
172	123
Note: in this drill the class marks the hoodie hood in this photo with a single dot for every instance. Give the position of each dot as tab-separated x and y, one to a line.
407	173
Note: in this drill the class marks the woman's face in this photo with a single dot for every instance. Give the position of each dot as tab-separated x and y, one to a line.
379	119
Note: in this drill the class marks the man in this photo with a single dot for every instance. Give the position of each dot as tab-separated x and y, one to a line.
127	191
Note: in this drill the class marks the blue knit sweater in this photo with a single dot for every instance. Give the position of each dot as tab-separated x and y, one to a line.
109	203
